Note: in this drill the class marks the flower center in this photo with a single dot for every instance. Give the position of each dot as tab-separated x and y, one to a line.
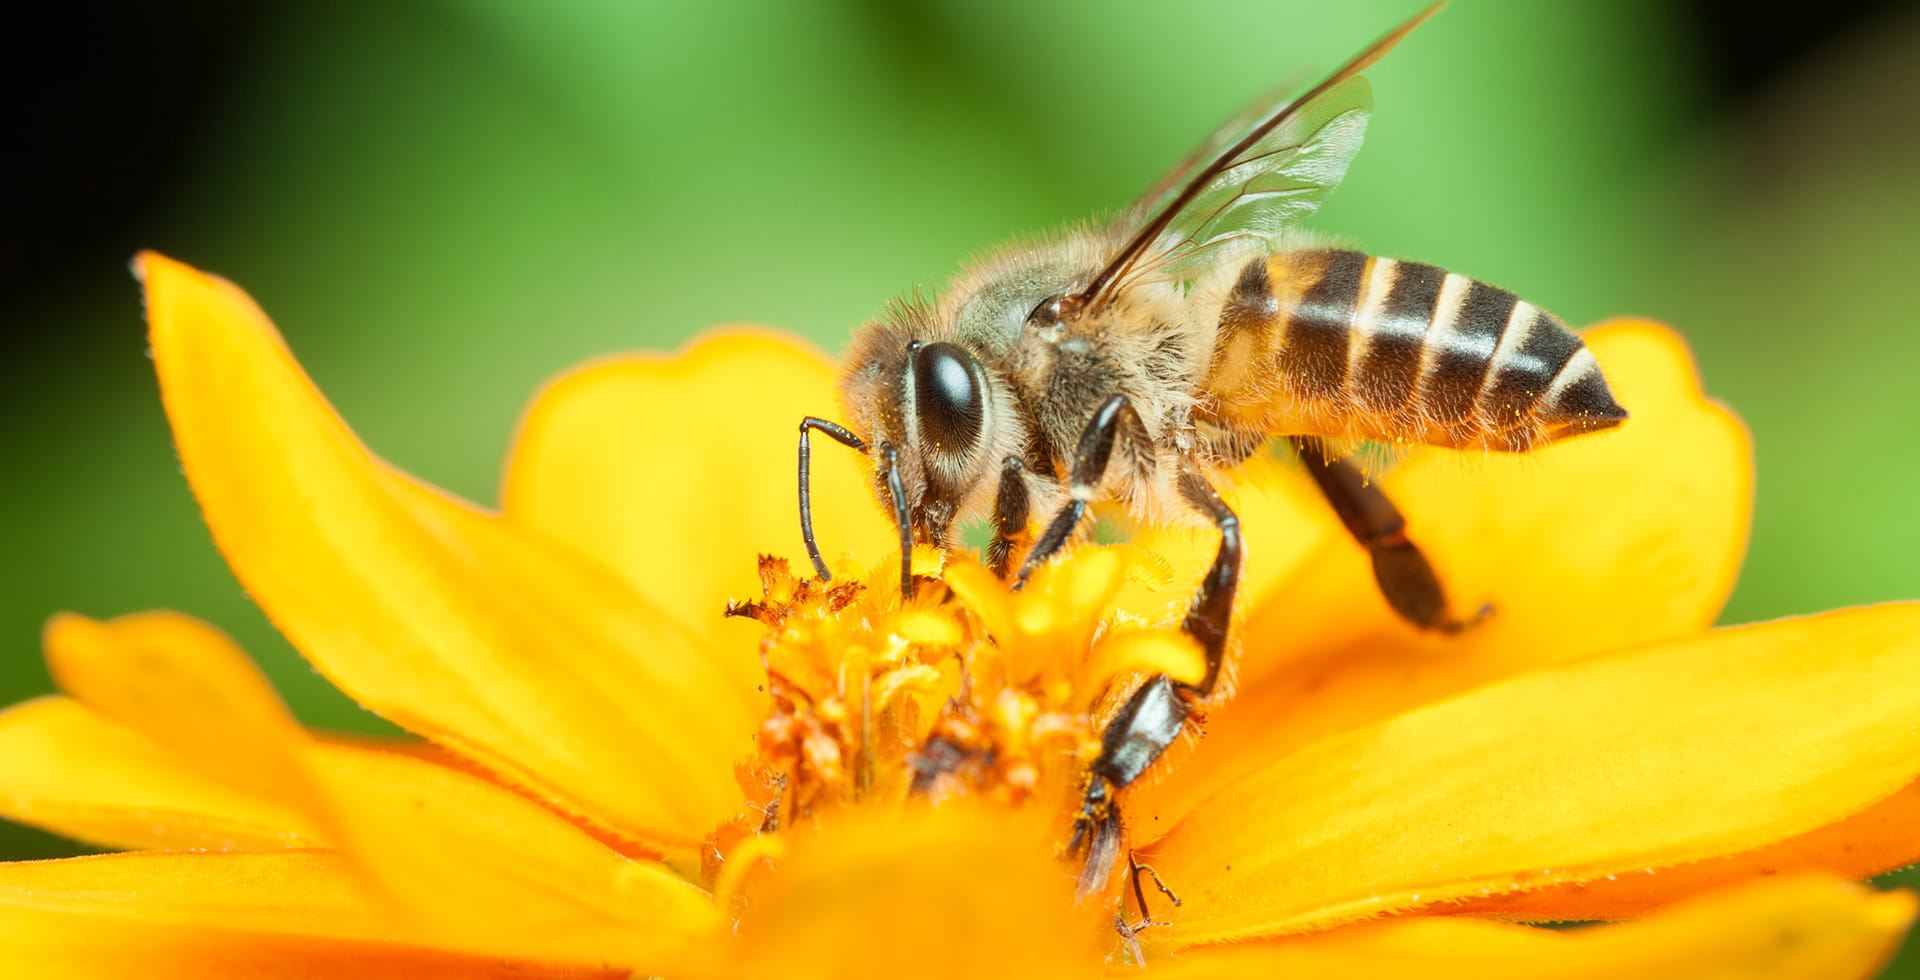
965	689
875	700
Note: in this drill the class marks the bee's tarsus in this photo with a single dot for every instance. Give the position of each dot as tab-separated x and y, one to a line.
1130	931
1136	866
1130	938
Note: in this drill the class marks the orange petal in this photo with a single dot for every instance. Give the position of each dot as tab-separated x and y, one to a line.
1601	542
290	914
1861	846
954	892
68	770
52	946
1722	744
1811	928
450	621
675	472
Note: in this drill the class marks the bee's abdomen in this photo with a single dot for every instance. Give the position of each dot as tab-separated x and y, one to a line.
1373	348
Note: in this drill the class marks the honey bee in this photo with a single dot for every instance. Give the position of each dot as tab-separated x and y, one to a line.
1132	360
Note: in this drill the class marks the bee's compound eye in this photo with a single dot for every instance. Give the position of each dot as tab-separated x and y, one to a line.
947	397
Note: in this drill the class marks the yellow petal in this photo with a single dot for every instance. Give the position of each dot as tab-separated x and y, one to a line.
1048	630
495	873
457	625
472	860
1287	526
1158	651
1810	928
950	892
1601	542
675	471
189	916
68	770
1624	537
1675	753
991	600
191	690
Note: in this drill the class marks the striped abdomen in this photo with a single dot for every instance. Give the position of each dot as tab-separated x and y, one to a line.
1342	344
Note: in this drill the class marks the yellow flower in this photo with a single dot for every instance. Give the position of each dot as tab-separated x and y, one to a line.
615	779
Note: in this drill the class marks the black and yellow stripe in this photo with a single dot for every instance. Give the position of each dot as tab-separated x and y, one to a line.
1391	358
1412	351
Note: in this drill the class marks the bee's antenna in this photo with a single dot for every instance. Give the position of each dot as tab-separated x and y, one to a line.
844	437
891	458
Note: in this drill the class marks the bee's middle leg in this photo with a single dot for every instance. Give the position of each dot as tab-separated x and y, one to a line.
1406	579
1083	481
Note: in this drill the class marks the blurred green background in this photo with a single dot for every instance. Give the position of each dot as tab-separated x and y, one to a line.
442	204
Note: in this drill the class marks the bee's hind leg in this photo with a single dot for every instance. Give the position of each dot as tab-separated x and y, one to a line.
1406	578
1157	712
1212	608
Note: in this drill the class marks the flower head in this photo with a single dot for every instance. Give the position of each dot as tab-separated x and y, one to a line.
614	777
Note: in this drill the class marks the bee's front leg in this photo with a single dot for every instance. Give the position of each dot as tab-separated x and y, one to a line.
1406	578
842	435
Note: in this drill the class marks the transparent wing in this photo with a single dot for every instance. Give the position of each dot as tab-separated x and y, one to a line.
1232	131
1279	170
1272	184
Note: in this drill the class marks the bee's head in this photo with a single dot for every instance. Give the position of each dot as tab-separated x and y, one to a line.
936	419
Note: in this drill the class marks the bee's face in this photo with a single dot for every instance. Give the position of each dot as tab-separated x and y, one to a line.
933	414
